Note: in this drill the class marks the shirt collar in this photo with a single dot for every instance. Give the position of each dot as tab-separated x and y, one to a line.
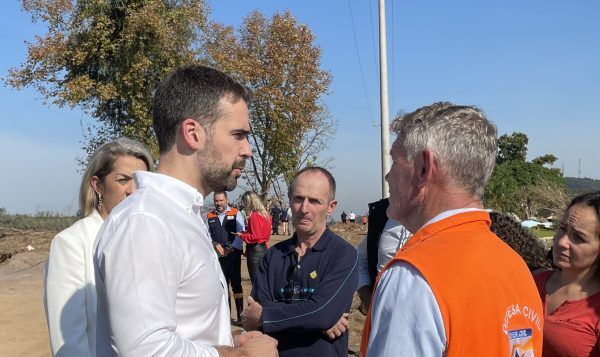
227	209
95	215
321	244
182	193
449	213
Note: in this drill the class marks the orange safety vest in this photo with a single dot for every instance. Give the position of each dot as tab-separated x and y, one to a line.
232	212
486	294
222	232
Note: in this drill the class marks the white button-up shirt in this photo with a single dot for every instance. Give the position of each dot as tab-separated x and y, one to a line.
160	288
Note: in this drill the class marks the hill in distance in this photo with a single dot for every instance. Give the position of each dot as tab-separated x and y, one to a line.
577	185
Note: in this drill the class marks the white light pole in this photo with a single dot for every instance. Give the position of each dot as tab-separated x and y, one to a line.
385	121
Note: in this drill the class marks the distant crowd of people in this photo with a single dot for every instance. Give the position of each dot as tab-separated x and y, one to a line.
145	272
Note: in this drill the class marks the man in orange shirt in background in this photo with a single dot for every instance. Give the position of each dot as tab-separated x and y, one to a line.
454	289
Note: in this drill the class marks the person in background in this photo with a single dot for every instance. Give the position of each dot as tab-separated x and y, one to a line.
275	217
161	291
290	217
223	222
304	287
571	293
69	284
364	220
384	238
352	217
344	217
258	232
454	288
284	221
520	240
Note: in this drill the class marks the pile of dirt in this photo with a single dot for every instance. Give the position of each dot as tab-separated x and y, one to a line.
4	257
352	232
14	241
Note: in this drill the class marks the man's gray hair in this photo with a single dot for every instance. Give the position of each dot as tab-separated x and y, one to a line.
463	140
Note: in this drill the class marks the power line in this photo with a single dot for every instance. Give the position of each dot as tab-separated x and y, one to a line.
372	36
362	75
392	86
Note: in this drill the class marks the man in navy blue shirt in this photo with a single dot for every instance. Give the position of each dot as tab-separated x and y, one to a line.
304	287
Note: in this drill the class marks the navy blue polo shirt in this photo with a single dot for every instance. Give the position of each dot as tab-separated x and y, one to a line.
301	299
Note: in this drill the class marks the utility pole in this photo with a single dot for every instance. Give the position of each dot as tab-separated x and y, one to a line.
385	121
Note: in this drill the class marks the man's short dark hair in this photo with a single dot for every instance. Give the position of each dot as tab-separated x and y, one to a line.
192	91
312	169
220	193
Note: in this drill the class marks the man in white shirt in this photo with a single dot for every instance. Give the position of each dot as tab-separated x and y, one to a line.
161	291
352	217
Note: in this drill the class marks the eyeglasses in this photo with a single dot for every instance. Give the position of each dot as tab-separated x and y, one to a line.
294	290
290	290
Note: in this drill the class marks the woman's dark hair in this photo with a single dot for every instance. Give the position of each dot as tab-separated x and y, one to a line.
591	199
520	240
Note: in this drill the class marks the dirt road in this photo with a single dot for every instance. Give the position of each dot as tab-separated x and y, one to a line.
23	329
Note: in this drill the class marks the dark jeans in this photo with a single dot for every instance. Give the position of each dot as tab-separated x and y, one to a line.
254	256
232	270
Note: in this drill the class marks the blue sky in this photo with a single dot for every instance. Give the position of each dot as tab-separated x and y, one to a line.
531	65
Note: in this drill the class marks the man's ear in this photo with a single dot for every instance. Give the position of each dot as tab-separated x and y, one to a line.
425	167
193	134
332	206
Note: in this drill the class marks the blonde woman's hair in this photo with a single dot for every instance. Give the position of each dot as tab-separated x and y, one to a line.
101	164
252	203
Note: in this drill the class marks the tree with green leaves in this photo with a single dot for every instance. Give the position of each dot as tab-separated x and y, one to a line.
277	59
512	147
521	187
106	57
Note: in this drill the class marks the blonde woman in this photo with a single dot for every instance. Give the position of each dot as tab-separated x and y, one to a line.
258	231
69	284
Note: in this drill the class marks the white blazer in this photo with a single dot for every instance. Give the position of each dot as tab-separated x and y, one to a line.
70	289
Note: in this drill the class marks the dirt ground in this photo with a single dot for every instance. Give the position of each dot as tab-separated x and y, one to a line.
23	329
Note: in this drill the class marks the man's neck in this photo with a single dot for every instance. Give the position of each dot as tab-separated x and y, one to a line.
442	203
183	169
308	241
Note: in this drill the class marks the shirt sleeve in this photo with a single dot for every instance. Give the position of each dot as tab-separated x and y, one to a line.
141	274
405	315
258	230
326	305
393	237
64	297
363	265
240	226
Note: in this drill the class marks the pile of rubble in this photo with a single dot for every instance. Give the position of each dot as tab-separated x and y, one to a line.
352	232
14	241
